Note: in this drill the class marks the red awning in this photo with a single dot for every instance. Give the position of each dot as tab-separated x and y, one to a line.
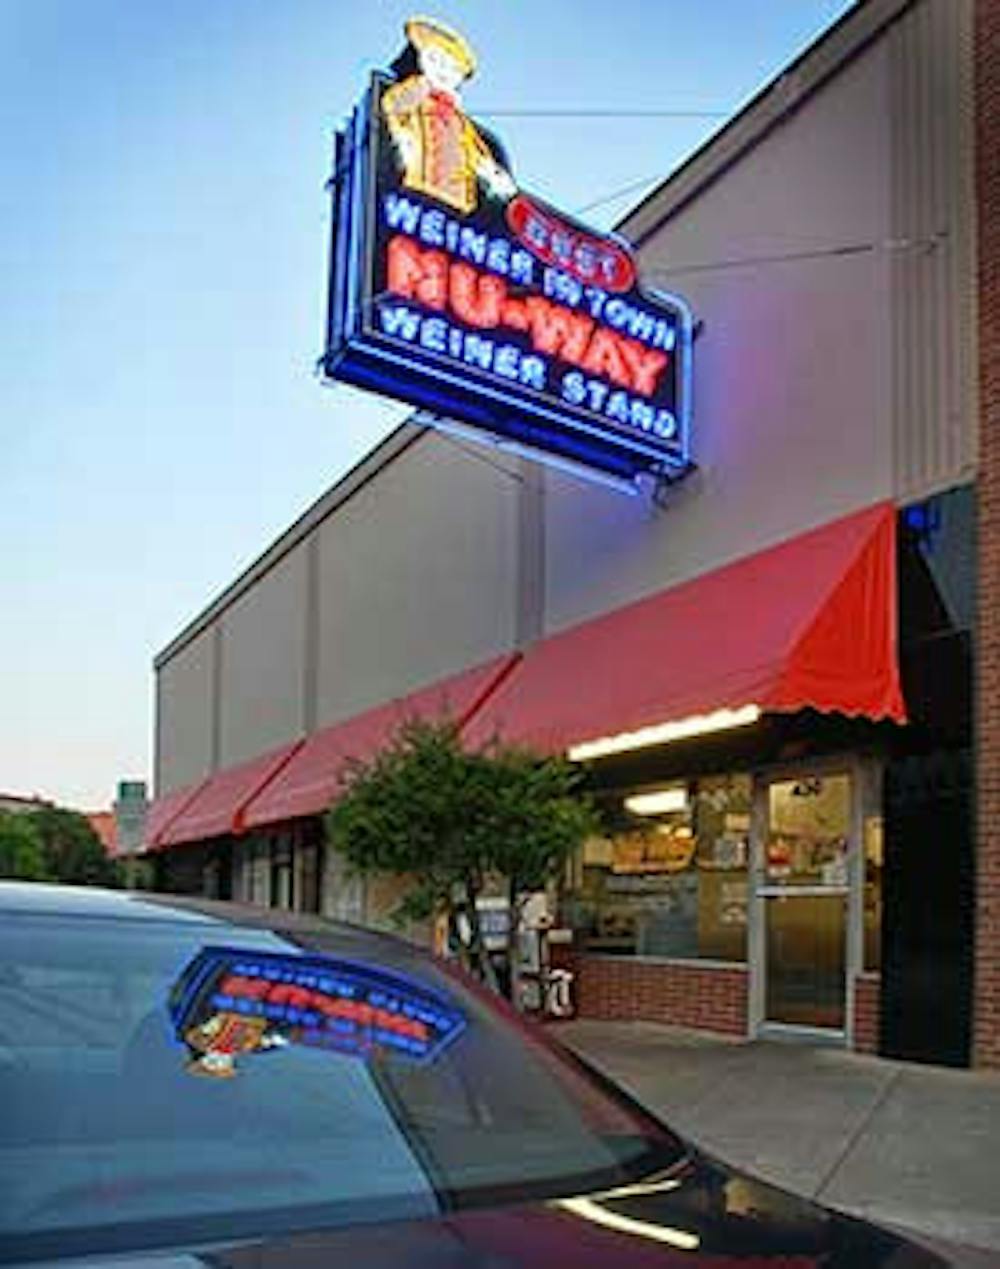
164	810
217	808
809	623
309	782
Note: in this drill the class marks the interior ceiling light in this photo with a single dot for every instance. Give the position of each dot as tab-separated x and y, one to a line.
664	733
662	802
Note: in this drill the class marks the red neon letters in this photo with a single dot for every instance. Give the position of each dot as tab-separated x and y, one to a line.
483	301
357	1011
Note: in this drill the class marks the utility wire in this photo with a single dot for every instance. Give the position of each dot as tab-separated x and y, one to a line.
632	188
585	113
927	244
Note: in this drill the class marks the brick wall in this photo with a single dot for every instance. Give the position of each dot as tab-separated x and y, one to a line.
867	1011
705	997
987	980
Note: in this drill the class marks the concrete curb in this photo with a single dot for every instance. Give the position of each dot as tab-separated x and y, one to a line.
911	1146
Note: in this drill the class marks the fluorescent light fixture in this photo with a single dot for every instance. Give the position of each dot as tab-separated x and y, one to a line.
662	802
664	733
591	1210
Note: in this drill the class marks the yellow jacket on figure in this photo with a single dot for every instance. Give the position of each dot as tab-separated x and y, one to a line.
440	149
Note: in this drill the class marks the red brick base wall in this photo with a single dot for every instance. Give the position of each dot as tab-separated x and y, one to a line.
867	1012
986	1032
704	997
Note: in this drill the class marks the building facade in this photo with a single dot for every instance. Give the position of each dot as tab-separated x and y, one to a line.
17	804
781	672
987	93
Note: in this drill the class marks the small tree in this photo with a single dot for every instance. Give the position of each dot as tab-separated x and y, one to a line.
21	853
72	851
450	818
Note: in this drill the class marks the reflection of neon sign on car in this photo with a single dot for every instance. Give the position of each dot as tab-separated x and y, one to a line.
216	1043
230	1003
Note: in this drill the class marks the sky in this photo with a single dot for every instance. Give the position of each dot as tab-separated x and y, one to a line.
163	263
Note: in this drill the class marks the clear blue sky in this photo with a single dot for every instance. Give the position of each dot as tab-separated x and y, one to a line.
163	233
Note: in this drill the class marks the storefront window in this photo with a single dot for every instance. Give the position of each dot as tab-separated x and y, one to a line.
308	868
809	825
670	880
281	871
258	872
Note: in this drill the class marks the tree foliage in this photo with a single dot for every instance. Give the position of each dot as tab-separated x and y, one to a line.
54	844
21	854
452	819
73	852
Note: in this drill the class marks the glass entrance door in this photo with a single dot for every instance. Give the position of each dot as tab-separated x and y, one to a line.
804	886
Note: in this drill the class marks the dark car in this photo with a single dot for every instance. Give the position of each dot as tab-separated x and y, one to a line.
188	1082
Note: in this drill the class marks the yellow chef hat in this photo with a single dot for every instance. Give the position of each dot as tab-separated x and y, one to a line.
422	32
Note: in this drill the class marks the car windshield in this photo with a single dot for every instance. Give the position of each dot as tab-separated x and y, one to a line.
180	1079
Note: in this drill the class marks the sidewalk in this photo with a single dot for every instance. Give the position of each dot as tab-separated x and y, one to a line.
917	1147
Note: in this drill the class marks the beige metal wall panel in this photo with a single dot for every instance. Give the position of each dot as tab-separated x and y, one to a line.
783	259
932	227
418	575
263	662
184	715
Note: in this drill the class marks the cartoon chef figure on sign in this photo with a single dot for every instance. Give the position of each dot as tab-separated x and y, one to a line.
215	1044
441	151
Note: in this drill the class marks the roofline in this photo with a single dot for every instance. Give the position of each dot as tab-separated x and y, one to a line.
384	453
819	62
822	59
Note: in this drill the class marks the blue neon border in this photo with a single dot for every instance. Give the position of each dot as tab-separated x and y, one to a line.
351	356
350	359
216	957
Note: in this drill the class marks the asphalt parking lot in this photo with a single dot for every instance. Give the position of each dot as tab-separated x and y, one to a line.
916	1147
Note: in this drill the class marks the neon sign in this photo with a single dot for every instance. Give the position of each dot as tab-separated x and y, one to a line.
457	292
230	1003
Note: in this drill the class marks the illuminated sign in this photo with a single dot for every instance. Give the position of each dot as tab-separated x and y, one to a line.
230	1003
455	291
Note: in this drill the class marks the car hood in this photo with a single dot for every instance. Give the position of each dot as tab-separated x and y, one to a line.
698	1215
